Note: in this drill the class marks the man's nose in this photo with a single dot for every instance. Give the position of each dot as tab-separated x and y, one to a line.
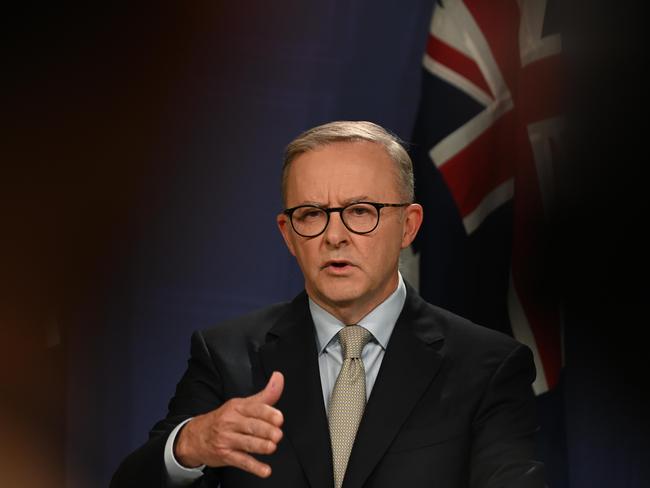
336	233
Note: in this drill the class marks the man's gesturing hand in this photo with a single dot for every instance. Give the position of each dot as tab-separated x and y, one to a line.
240	427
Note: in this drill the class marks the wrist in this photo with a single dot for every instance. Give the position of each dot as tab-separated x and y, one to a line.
183	452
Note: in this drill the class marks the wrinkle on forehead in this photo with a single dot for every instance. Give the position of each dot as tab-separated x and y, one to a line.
341	173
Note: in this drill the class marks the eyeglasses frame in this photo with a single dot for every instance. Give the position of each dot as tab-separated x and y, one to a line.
289	213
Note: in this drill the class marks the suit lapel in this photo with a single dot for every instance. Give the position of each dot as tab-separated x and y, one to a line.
409	365
291	349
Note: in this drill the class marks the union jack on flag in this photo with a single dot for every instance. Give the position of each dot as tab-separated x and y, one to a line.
498	53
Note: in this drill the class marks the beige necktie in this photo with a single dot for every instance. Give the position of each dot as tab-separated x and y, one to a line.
348	398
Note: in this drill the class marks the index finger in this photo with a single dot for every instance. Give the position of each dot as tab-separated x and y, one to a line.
261	411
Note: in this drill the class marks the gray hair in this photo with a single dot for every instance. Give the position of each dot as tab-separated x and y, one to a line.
352	131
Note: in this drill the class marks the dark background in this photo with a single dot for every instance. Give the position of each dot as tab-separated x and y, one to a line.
140	183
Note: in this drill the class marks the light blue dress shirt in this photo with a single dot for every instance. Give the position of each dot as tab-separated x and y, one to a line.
380	322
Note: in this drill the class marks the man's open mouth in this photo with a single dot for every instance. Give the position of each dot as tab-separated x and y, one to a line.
337	264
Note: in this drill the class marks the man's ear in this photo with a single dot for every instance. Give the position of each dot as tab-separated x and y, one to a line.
414	214
285	229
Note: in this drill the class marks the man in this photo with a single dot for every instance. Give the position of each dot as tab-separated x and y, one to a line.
280	399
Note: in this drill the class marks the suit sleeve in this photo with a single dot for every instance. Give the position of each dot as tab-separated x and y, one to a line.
504	428
199	391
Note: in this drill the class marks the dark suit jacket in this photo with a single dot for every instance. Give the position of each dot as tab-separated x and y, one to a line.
452	405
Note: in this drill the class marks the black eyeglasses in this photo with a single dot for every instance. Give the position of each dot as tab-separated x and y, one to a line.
359	217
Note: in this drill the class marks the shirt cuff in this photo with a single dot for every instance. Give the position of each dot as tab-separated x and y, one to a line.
179	475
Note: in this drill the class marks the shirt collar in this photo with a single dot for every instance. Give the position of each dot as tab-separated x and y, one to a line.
380	322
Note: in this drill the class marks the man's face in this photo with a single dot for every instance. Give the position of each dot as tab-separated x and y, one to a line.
346	273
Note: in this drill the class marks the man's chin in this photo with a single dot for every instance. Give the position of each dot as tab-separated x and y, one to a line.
338	297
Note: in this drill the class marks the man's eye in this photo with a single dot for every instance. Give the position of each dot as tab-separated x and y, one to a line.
310	214
358	211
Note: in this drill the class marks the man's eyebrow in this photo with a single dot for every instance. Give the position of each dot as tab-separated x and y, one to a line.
356	199
311	202
347	201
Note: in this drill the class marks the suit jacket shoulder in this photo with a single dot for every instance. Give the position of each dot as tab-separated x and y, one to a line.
459	337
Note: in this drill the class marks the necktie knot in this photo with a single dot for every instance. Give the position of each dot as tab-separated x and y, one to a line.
353	339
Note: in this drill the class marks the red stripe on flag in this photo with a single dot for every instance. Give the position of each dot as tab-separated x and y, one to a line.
456	61
499	22
482	166
540	89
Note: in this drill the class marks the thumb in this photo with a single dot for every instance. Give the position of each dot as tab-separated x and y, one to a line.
273	389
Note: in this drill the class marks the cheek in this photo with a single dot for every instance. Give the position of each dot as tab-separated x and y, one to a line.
383	258
387	245
380	255
307	256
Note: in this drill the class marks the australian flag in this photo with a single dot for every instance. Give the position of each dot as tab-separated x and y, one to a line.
486	147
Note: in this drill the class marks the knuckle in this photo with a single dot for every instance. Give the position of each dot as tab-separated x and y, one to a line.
249	428
255	445
221	442
216	435
222	457
246	463
276	436
270	447
229	420
266	447
279	418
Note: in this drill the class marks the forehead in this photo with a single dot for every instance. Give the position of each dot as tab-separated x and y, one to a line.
342	170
